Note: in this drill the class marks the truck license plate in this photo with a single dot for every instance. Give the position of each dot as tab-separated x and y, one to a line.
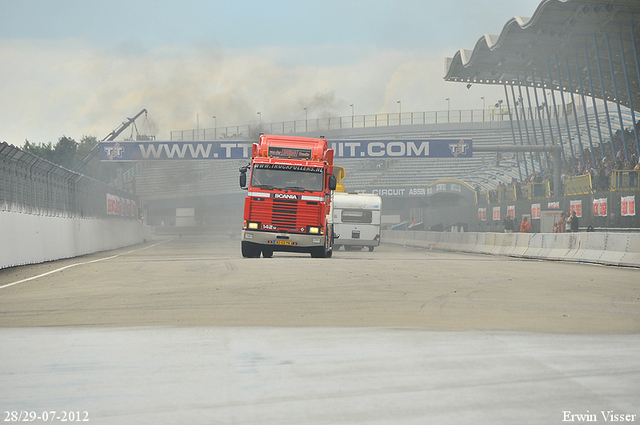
283	242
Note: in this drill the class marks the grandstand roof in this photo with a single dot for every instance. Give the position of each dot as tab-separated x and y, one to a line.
553	47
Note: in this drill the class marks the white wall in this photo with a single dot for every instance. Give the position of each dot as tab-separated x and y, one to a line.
30	239
619	249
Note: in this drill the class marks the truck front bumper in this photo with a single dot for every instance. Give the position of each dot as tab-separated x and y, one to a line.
283	241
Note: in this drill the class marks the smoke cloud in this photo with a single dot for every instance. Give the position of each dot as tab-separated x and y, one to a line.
60	88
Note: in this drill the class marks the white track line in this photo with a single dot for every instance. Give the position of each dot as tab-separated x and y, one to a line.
80	264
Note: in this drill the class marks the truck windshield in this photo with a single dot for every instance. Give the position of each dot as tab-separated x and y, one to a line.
277	176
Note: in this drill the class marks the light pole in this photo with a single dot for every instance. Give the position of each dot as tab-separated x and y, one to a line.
215	127
483	102
306	118
448	108
399	112
260	117
352	115
499	107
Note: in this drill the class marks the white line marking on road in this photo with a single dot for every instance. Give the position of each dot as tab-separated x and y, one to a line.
80	264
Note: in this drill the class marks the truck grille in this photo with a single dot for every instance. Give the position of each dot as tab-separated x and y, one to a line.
286	214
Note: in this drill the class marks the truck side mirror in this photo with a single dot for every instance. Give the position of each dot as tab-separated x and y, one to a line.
333	182
243	177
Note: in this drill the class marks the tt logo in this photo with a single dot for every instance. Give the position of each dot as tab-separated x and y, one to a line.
115	151
459	148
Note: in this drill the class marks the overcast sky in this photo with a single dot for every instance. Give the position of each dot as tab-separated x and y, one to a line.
82	67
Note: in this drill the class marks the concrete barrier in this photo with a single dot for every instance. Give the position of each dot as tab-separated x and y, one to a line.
494	243
521	245
632	256
555	246
601	248
617	247
509	243
480	245
32	239
592	246
535	245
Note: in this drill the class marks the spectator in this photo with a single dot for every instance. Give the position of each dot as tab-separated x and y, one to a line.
508	224
561	223
525	226
573	220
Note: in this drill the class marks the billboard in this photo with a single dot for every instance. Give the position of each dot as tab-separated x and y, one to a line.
365	149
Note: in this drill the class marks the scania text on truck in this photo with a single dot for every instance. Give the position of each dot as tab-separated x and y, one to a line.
288	206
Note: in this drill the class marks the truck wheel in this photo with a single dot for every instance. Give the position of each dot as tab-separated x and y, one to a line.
267	253
249	250
371	248
318	252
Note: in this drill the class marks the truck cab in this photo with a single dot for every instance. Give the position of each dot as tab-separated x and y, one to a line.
289	198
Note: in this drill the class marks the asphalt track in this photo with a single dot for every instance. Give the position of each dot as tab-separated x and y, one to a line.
184	330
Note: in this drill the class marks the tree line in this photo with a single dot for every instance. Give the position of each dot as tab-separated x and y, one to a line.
67	153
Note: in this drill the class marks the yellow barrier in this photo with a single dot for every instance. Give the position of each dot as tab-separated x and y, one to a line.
578	185
625	180
482	196
507	193
539	190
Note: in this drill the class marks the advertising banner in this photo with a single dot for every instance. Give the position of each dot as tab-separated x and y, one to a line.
365	149
600	207
121	206
628	205
511	211
576	206
482	214
553	205
535	211
496	213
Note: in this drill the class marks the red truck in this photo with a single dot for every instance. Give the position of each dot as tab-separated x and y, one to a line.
289	197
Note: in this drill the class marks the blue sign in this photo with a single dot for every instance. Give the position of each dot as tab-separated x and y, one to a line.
365	149
142	151
422	148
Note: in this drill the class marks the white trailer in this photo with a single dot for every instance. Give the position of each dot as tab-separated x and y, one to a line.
356	218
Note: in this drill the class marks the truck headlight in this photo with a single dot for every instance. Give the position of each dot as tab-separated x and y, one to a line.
253	225
314	230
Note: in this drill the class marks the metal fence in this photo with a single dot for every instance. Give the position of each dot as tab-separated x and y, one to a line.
500	113
32	185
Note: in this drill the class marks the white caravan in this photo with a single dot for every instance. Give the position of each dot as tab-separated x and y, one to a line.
356	218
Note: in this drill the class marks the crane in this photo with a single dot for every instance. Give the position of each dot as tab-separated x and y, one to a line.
110	137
